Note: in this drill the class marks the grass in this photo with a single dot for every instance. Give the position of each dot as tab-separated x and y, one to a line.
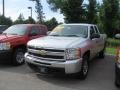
111	50
112	44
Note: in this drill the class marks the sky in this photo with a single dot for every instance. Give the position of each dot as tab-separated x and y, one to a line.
14	7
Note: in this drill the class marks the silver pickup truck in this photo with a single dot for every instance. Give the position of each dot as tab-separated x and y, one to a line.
68	49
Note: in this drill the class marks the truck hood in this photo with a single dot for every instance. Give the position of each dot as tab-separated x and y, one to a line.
7	38
56	42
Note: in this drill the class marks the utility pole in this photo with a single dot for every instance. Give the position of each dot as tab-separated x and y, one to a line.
31	10
3	8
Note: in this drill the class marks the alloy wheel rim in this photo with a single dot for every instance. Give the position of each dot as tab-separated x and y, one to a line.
20	57
85	68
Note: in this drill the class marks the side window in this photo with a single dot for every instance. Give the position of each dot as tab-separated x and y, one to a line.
96	30
92	31
35	31
43	30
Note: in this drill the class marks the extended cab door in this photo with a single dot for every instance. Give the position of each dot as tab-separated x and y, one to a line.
94	41
35	32
99	41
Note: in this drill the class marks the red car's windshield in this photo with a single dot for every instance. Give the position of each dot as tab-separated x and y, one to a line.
16	30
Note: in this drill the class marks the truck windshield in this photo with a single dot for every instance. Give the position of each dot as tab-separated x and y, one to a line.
16	30
70	31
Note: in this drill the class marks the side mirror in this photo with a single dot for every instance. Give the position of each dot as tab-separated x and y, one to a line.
48	32
117	36
95	36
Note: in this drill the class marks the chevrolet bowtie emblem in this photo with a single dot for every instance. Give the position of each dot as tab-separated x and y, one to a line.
42	52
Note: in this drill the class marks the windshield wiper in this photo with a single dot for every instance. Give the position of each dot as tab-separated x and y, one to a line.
54	35
72	35
13	34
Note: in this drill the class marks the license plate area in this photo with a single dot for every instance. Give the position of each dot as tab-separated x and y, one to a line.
43	70
48	70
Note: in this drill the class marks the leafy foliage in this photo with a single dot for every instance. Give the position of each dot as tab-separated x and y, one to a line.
92	11
111	16
30	21
111	42
52	23
5	21
73	10
20	20
39	11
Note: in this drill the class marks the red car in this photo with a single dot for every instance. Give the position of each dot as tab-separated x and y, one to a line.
117	65
13	41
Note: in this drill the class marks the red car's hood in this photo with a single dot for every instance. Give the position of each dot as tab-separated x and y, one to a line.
7	38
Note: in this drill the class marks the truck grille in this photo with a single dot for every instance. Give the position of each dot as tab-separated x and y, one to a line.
47	54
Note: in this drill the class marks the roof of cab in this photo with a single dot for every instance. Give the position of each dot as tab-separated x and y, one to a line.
31	24
84	24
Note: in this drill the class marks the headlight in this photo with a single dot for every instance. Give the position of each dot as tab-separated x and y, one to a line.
5	46
72	54
118	56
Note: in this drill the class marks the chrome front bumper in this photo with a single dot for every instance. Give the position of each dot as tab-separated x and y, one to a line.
72	66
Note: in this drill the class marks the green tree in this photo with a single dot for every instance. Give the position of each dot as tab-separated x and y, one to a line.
111	14
30	21
39	11
92	11
5	21
51	24
73	10
20	20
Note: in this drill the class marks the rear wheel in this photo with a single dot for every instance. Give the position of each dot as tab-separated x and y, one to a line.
84	69
18	57
102	53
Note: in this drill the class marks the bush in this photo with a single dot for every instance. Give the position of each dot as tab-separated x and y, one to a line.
113	42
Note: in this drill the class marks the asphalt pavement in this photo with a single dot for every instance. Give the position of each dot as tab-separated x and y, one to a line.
100	77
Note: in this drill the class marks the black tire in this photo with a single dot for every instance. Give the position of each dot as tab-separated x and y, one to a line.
84	68
117	84
18	57
117	79
102	53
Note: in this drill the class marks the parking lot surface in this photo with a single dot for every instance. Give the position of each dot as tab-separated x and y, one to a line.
101	77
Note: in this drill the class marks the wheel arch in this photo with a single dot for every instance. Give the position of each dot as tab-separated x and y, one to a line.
22	46
86	53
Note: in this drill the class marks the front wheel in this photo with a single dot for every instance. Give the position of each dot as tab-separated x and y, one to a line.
18	57
84	69
102	53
